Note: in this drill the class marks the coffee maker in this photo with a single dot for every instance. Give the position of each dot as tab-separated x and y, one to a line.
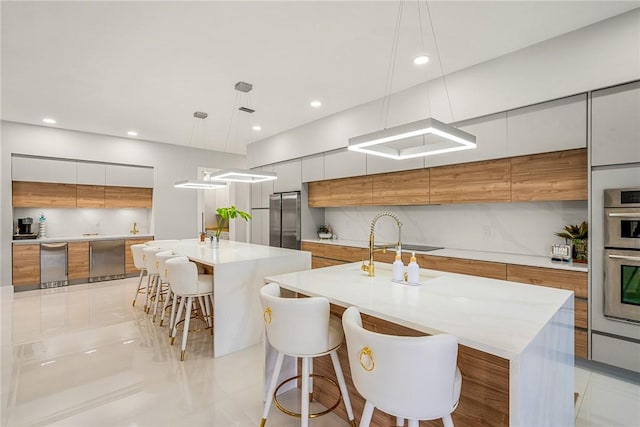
24	227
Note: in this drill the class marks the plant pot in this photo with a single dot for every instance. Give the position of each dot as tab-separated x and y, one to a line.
579	251
214	241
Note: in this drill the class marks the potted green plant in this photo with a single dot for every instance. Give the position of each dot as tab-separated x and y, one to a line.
227	213
324	232
578	235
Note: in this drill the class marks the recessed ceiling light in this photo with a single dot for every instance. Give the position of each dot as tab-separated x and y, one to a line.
256	127
421	60
132	133
316	104
49	120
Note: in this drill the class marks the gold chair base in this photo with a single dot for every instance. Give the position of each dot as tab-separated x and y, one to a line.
313	414
182	353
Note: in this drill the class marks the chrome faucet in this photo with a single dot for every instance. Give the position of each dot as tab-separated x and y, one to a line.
370	268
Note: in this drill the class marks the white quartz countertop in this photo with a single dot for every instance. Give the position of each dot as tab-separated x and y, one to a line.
228	252
85	238
494	316
529	260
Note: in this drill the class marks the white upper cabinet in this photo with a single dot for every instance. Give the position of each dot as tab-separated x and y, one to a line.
289	176
491	139
260	226
313	168
266	188
36	169
377	164
90	173
550	126
128	176
342	164
256	194
615	115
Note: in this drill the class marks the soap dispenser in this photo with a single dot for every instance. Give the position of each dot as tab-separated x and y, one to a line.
413	271
398	269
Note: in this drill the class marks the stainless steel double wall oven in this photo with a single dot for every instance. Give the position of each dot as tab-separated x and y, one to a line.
622	254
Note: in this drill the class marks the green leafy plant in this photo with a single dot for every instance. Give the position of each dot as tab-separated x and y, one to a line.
323	229
230	212
575	232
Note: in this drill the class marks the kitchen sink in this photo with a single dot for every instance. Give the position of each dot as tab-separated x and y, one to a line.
419	248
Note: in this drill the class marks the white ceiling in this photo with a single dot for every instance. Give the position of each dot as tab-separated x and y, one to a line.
109	67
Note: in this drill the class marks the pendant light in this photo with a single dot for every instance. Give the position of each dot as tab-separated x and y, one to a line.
416	139
206	182
241	175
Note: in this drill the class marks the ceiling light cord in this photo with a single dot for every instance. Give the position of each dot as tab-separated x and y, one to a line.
424	52
233	114
435	43
390	71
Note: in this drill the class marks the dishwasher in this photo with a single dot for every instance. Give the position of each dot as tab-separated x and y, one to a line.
53	265
106	260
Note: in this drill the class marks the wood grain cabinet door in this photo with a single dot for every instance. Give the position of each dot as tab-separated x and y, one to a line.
401	188
355	191
43	195
319	194
90	196
560	175
127	197
477	182
26	264
78	260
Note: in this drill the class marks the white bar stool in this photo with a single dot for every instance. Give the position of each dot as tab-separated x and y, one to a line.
416	378
150	262
189	285
138	262
163	289
302	327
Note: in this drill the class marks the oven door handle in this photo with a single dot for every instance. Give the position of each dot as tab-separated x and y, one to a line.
624	214
626	257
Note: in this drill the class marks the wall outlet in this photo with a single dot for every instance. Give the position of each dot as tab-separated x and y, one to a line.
486	231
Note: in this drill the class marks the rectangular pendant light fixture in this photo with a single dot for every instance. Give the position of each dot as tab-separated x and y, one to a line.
443	138
243	175
200	184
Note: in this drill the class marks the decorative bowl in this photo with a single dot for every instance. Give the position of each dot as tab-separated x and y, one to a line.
325	235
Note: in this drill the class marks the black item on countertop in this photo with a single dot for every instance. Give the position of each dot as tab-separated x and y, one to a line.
24	225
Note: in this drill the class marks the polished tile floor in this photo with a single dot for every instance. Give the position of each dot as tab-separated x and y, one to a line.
83	356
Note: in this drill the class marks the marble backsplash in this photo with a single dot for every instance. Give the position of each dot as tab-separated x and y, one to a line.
520	228
69	222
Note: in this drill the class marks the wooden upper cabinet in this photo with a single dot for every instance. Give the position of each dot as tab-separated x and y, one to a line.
560	175
401	188
26	264
127	197
43	195
477	182
319	194
356	191
90	196
78	260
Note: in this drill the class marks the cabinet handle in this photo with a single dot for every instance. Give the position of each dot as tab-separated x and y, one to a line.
625	257
624	214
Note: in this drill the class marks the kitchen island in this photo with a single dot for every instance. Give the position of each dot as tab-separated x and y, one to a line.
516	341
238	272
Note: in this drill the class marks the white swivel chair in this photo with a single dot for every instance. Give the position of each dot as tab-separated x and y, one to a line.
416	378
138	261
152	265
301	327
164	244
187	284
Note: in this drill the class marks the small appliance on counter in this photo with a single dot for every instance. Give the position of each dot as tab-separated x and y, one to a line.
24	229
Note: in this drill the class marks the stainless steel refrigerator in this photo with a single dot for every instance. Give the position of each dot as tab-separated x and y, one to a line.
284	220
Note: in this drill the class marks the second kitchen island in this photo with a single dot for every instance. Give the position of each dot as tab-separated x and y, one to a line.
515	341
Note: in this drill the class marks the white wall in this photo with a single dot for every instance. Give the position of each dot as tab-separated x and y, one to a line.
175	211
518	228
602	54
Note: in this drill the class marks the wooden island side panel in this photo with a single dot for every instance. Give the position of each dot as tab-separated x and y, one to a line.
484	399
